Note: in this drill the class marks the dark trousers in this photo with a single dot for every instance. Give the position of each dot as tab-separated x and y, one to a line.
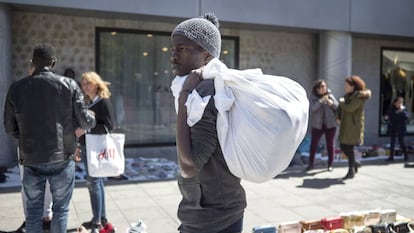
400	135
236	227
330	146
349	152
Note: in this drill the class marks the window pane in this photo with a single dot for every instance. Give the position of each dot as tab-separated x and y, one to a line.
137	66
397	79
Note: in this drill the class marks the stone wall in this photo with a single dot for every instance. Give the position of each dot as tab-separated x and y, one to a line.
279	53
73	37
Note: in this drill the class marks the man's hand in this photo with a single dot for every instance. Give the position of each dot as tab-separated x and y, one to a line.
193	79
79	132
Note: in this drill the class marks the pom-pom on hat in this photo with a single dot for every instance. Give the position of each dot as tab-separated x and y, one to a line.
202	30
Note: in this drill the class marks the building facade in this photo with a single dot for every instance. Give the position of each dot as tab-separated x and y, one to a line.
127	42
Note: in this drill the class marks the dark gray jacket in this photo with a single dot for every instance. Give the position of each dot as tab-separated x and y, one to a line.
42	112
323	114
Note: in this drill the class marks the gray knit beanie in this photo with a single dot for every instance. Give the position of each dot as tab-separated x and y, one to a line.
202	30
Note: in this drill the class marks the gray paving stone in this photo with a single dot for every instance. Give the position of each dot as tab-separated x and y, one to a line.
293	195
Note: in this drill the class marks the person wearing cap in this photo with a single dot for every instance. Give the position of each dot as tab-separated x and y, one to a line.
213	199
42	112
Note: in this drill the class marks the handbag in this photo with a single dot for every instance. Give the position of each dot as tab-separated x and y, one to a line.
388	216
401	227
264	229
372	218
331	223
352	219
105	154
381	228
290	227
308	225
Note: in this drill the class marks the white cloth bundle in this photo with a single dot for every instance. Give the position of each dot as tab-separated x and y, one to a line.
262	119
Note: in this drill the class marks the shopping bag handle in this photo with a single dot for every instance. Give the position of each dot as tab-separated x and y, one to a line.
107	132
106	129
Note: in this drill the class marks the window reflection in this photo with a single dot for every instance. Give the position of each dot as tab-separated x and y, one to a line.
137	65
397	79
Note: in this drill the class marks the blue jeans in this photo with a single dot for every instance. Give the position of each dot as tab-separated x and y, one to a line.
61	177
95	186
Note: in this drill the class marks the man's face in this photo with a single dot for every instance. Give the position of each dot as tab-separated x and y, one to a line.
186	55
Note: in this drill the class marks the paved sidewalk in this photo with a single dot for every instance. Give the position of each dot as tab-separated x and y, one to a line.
293	195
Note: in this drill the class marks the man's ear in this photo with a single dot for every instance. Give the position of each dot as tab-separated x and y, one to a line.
207	57
53	62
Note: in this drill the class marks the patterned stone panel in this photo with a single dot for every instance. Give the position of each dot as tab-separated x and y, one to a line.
280	53
73	37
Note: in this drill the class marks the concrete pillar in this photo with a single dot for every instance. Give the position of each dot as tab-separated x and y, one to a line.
8	148
335	59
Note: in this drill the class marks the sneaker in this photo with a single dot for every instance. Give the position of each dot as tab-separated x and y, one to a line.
87	225
22	228
104	221
90	224
96	228
138	227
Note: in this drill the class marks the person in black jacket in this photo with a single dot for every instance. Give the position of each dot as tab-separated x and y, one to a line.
42	111
397	121
98	94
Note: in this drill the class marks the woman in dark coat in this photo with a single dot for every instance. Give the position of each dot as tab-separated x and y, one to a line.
97	93
351	117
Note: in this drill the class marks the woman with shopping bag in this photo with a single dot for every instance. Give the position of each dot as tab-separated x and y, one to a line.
97	97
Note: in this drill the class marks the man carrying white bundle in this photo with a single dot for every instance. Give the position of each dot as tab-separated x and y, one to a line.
231	125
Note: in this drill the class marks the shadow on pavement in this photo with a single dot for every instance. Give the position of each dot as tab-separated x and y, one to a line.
322	183
299	171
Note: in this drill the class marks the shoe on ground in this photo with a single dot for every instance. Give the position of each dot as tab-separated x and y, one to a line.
349	176
408	164
87	225
22	228
104	221
330	168
139	227
120	177
96	228
310	167
90	224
